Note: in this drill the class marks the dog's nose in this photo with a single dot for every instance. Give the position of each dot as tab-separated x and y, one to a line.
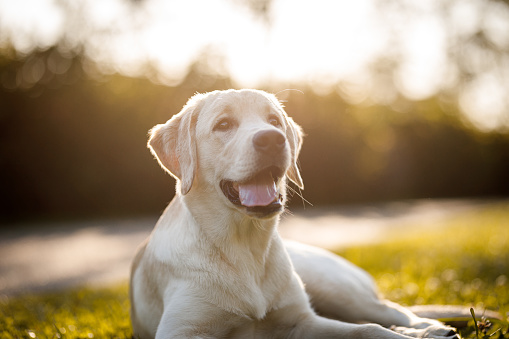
269	141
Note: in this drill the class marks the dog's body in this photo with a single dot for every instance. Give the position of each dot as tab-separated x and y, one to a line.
215	266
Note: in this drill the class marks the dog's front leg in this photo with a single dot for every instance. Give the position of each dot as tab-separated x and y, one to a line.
194	319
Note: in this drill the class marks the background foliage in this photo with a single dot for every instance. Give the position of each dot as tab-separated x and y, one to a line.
73	143
74	113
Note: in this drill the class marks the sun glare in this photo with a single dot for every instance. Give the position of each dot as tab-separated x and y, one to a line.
307	41
28	24
484	102
321	42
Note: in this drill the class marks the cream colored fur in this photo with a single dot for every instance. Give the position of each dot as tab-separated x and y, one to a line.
213	269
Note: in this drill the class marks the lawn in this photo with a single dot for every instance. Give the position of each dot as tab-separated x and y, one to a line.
462	261
465	263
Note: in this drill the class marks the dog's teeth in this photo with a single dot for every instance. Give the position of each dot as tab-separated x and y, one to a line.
235	186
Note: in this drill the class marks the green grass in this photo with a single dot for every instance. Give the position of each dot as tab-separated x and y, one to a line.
465	263
82	313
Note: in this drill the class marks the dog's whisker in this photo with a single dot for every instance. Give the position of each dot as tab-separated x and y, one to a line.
299	194
288	90
287	212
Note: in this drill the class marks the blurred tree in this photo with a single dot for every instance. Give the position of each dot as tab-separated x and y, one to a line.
475	54
468	58
73	126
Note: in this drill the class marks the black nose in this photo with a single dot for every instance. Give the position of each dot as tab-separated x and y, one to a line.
269	141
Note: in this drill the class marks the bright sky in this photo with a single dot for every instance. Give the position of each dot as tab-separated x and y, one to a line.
319	41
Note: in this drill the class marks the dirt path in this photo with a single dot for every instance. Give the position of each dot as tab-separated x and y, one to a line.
48	257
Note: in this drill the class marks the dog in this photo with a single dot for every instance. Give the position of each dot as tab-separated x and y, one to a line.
215	266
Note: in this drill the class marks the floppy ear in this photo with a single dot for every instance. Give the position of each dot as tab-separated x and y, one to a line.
294	136
174	146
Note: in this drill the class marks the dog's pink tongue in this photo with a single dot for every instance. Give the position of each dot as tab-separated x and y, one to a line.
260	191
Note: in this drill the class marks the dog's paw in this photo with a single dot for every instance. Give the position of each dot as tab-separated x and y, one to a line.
431	332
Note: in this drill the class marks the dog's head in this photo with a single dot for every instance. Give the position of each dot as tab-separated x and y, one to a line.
240	145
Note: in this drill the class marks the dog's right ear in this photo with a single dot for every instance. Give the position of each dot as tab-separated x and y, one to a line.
294	136
174	146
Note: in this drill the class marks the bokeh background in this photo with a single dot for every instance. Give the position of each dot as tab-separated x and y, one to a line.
400	99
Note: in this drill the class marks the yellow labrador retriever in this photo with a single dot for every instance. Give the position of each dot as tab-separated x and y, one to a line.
215	265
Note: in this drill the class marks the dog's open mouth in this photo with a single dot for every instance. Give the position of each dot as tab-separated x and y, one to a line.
258	194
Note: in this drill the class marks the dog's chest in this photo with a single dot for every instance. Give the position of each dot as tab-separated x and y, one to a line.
251	289
234	279
251	296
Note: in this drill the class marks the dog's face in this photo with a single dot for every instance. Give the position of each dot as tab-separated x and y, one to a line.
237	145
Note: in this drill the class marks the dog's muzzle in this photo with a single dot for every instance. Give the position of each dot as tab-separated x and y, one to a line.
259	194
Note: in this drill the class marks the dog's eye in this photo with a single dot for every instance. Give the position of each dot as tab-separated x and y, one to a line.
274	121
224	125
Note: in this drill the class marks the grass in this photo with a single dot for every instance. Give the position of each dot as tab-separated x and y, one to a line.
465	263
81	313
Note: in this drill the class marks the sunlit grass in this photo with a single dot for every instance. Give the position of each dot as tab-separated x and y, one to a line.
465	263
82	313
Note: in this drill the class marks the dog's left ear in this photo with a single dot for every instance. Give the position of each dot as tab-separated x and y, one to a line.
294	136
174	146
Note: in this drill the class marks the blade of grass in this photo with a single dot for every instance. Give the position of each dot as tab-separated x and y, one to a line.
475	323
